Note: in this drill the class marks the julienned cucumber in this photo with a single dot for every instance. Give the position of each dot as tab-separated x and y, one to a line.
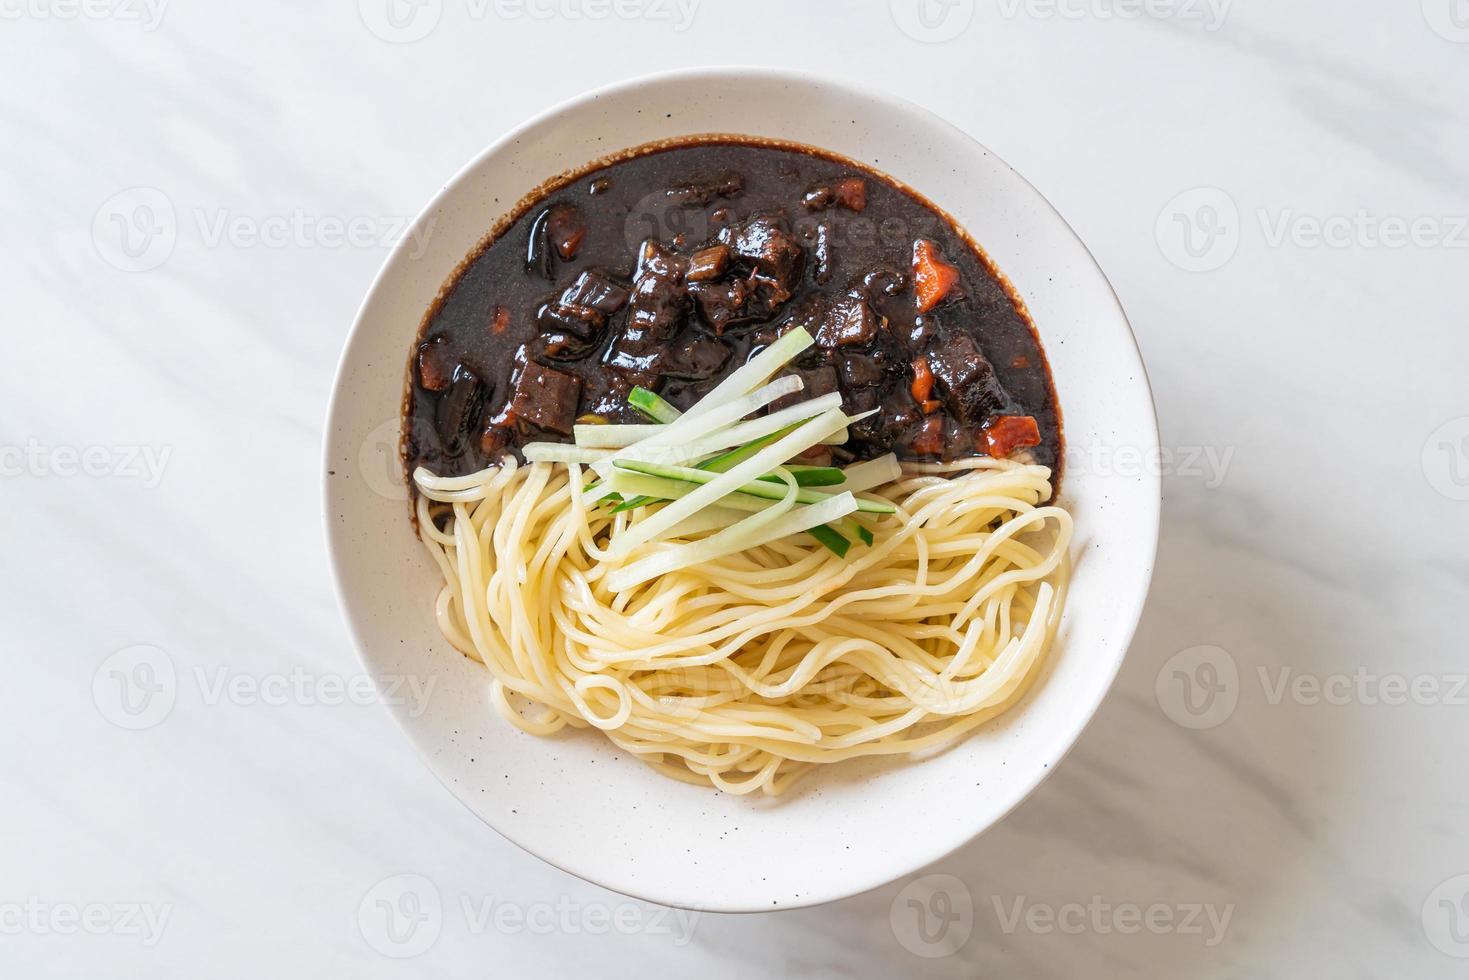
830	539
810	476
653	405
806	476
756	489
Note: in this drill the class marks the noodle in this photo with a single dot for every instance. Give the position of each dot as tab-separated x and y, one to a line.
744	672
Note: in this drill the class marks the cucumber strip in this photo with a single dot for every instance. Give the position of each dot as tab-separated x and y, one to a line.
560	452
833	541
623	436
653	489
810	476
675	438
653	405
853	528
718	464
752	429
724	461
755	488
773	455
756	371
735	538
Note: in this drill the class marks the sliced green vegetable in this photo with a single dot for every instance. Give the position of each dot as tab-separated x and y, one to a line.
680	440
713	486
811	476
831	539
756	371
757	488
853	528
747	534
653	405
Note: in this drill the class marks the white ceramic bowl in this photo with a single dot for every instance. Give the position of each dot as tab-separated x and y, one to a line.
575	801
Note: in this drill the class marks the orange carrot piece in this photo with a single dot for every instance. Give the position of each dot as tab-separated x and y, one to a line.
1004	434
933	278
922	380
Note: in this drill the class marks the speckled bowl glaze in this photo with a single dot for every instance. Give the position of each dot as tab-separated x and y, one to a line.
574	800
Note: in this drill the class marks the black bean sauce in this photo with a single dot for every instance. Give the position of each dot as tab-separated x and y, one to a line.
671	269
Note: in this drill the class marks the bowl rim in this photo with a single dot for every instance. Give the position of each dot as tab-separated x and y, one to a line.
1152	488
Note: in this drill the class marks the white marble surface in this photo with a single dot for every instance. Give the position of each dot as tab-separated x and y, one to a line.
160	439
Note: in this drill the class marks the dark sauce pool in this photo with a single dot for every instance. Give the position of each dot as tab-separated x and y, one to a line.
670	267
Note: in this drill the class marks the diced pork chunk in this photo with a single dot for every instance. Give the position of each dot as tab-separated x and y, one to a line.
659	296
859	371
971	390
764	243
708	263
850	322
435	365
580	321
546	398
847	192
721	303
695	358
598	291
